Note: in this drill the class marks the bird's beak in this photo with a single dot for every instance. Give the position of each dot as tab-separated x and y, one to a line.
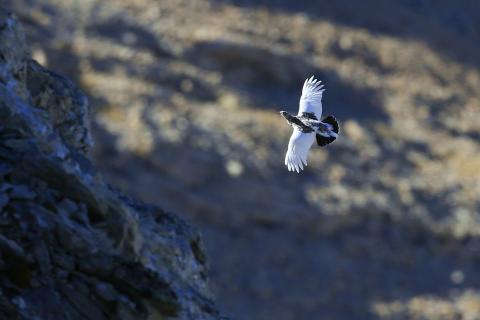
284	114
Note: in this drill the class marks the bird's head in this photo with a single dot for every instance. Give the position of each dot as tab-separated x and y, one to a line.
287	116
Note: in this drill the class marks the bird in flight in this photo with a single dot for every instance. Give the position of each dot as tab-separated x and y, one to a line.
307	127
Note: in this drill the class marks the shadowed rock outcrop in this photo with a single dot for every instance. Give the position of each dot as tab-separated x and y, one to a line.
71	247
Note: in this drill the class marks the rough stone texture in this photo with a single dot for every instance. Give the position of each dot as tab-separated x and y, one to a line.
71	247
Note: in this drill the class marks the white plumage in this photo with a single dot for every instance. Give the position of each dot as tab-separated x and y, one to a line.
311	99
300	143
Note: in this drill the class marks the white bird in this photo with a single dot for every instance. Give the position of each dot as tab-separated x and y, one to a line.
307	127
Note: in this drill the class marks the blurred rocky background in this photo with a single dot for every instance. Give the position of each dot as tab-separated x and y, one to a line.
384	223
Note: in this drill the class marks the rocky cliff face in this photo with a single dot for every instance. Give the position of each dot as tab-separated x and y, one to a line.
71	247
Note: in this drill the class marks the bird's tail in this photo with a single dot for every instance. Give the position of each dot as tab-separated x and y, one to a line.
323	141
331	120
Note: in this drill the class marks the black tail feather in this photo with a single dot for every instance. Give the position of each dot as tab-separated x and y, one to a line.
331	120
323	141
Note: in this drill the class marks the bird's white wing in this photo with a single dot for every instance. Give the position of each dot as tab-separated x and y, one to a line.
311	99
298	148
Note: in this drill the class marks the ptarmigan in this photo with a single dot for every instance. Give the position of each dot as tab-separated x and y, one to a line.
307	127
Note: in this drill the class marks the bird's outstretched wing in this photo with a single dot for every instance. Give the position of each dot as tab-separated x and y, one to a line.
311	99
298	147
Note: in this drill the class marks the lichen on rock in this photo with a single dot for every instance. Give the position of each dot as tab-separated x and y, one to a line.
72	247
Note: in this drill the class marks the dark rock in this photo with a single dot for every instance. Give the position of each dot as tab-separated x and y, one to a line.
72	247
21	192
3	201
80	302
106	291
16	263
64	261
66	105
42	257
